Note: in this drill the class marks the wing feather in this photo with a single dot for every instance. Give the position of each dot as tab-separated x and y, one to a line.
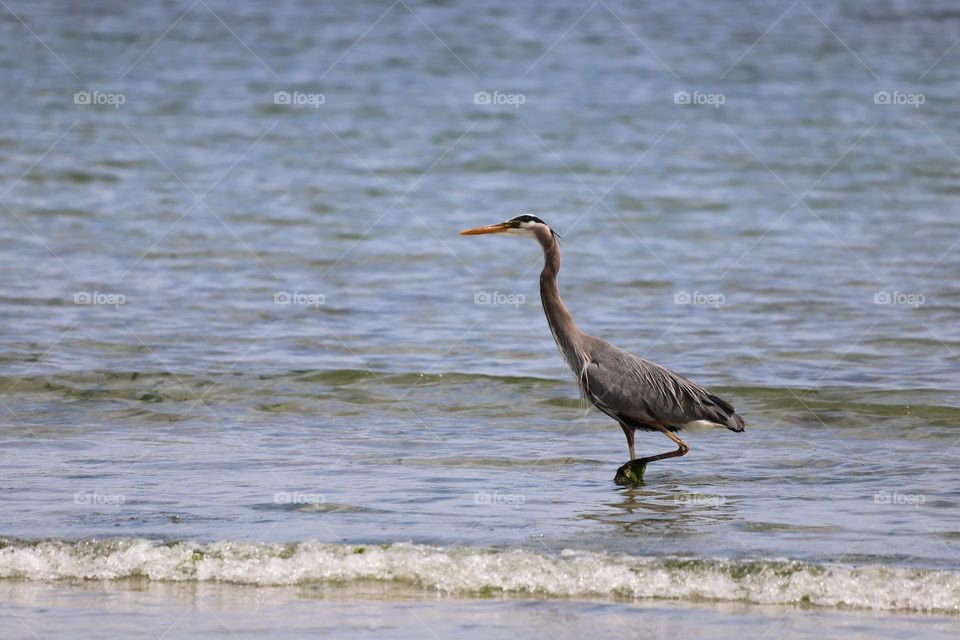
626	387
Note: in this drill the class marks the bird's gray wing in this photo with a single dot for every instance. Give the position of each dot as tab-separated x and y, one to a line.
627	387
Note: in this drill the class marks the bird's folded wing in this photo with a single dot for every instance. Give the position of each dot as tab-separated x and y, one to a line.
624	385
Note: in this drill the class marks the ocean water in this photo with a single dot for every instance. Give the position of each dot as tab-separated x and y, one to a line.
252	382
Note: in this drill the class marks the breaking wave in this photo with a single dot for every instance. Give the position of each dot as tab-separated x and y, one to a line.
486	572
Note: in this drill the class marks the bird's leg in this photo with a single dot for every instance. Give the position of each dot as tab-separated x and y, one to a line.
628	431
682	447
631	473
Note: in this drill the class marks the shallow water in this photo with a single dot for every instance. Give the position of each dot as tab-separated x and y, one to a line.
149	609
289	343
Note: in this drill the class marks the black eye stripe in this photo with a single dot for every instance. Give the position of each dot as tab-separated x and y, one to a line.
527	218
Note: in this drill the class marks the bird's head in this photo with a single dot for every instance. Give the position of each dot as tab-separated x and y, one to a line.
522	225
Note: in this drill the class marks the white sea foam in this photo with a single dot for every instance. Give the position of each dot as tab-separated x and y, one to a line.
471	571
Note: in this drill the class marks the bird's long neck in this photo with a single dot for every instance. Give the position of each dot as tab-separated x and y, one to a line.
564	329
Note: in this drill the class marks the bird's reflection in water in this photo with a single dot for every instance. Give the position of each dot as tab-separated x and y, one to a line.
663	509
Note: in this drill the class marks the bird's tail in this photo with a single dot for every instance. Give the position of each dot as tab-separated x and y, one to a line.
736	423
732	420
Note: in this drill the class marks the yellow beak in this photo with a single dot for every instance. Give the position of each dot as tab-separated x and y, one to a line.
500	227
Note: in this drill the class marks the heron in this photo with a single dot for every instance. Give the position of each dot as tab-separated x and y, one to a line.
640	395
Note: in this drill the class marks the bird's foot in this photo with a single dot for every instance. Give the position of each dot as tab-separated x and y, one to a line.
631	473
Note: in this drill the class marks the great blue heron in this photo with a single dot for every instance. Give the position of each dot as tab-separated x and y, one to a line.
637	393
